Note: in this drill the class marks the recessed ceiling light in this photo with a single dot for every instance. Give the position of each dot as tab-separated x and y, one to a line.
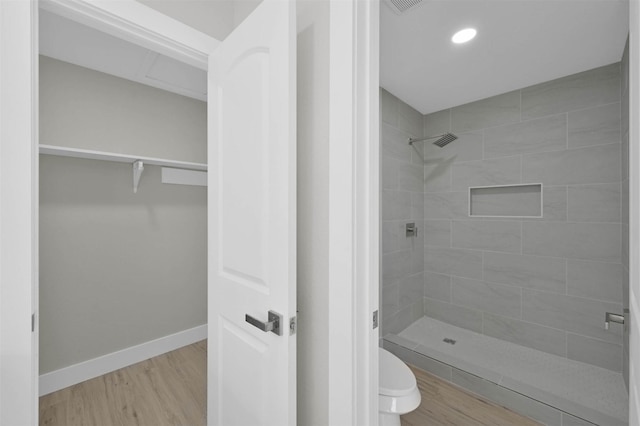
464	36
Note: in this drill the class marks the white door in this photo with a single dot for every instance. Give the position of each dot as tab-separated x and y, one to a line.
252	220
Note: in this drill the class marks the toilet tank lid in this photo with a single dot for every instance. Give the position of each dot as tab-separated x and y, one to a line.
396	379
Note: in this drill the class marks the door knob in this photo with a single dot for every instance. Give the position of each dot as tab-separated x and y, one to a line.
273	323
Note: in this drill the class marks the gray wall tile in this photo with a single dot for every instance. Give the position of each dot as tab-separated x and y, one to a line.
410	120
595	280
597	164
388	322
459	316
437	175
467	147
554	203
625	156
594	203
625	287
487	235
594	126
417	154
417	209
389	168
624	214
533	272
487	297
394	143
446	205
417	259
390	305
583	90
395	266
624	116
396	205
507	398
625	208
625	245
494	111
590	241
437	123
388	237
596	352
410	289
394	238
459	262
388	108
539	135
534	336
411	178
507	201
499	171
574	314
405	317
437	233
569	420
437	286
400	320
429	186
624	67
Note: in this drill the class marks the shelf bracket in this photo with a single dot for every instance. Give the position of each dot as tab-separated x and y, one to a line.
138	168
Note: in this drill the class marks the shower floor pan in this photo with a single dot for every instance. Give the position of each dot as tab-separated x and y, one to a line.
551	389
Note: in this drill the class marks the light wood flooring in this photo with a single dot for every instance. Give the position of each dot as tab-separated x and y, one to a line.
446	404
171	390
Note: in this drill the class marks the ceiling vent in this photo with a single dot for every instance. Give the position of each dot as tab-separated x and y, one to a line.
402	6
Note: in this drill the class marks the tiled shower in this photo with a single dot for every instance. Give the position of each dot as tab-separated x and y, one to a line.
551	258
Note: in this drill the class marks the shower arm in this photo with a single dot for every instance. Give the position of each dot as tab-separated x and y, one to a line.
412	140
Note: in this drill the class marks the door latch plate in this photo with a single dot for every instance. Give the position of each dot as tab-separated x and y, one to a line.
293	326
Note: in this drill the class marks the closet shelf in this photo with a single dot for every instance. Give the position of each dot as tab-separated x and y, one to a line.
121	158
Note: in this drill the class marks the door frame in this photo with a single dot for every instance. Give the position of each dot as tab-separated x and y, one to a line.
634	212
354	211
18	212
354	214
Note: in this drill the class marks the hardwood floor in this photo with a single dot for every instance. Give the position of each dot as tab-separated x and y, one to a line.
446	404
171	390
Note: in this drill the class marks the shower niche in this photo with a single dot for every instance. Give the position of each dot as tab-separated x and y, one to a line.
522	201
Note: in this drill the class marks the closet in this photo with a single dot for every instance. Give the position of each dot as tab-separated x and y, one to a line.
123	207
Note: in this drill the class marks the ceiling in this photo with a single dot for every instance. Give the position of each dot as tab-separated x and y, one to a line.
69	41
519	43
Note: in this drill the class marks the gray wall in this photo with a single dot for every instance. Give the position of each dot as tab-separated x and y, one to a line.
544	283
402	201
82	108
116	268
313	212
624	87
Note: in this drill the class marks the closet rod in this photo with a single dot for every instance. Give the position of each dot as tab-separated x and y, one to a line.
121	158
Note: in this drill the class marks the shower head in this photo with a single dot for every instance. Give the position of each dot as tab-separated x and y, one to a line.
442	140
445	139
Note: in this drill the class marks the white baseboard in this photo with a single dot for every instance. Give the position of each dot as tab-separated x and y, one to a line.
65	377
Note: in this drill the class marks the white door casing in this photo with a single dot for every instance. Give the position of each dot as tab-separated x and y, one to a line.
634	212
18	212
252	219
